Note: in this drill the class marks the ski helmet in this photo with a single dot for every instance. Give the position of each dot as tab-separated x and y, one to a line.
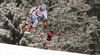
42	7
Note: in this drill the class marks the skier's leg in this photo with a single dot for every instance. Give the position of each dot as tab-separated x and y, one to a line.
27	22
24	26
33	25
30	28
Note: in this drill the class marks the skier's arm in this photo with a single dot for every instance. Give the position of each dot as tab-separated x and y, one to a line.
32	9
45	15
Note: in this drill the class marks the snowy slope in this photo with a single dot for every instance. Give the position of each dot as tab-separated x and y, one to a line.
6	49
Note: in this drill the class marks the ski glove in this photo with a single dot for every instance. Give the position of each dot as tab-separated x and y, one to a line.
30	14
41	22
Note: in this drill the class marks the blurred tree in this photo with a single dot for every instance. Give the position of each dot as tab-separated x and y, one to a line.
96	8
16	35
1	1
6	26
10	16
18	2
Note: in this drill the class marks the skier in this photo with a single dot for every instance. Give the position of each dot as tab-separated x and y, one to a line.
35	14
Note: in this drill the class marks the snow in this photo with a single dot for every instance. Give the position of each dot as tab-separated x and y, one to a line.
6	49
1	24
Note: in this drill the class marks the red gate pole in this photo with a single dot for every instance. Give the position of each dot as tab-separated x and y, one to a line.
45	45
49	45
50	37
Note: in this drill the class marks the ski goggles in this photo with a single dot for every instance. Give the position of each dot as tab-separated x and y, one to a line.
42	9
